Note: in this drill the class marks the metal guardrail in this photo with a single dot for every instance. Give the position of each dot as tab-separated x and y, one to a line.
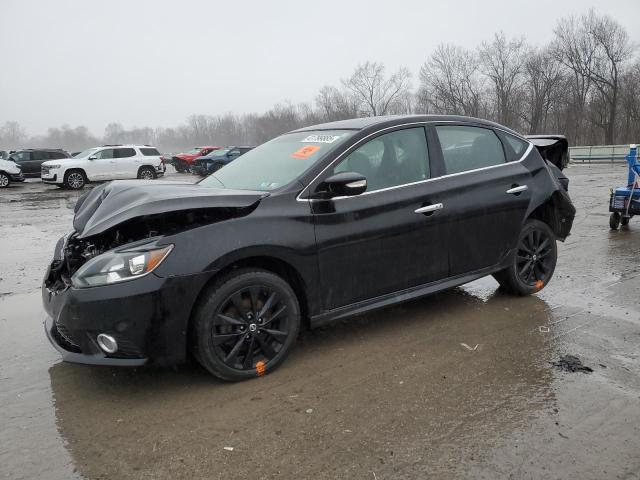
598	154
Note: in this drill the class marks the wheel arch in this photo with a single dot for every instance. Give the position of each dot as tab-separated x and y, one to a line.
269	263
557	212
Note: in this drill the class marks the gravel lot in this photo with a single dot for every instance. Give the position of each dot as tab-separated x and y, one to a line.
456	385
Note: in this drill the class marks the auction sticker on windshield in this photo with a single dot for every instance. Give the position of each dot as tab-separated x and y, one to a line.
320	138
305	152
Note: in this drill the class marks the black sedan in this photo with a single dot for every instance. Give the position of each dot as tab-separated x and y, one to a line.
318	224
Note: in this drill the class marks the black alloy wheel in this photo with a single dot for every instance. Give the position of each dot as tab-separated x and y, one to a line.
247	325
534	261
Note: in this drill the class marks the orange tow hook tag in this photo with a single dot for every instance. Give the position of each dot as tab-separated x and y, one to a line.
260	368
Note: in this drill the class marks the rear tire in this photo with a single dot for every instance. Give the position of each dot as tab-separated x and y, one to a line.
534	261
75	179
147	173
614	221
245	324
4	180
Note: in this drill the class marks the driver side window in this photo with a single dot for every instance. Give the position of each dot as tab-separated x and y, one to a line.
390	160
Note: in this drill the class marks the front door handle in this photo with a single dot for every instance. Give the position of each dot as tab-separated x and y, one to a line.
430	208
517	190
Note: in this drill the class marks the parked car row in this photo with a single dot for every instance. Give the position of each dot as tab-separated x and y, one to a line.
57	167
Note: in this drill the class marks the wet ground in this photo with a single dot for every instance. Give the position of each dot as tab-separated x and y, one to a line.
457	385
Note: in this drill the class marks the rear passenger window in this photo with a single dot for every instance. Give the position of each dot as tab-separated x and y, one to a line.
39	155
515	147
390	160
467	148
149	152
124	152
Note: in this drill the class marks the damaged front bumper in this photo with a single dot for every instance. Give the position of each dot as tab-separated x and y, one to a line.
147	317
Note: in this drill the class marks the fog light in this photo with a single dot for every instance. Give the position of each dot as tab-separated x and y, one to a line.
107	343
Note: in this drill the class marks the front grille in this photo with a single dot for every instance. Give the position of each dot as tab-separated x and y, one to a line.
619	202
64	339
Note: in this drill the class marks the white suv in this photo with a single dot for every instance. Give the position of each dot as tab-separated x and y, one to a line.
109	162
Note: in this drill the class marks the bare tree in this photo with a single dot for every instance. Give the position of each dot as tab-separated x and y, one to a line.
613	50
450	83
334	104
502	61
375	94
543	80
12	135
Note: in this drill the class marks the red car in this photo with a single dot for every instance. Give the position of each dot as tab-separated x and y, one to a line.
182	161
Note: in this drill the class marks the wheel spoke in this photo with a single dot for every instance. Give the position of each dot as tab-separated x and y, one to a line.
275	315
522	259
525	268
248	358
542	245
227	320
267	305
279	335
219	339
266	348
234	351
254	292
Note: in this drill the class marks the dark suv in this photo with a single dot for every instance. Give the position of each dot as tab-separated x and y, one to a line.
315	225
30	160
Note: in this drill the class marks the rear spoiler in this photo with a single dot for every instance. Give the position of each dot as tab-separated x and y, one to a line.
553	148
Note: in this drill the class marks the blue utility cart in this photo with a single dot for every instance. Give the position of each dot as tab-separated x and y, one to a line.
625	201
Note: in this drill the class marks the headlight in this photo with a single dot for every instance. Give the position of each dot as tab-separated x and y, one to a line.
114	267
53	167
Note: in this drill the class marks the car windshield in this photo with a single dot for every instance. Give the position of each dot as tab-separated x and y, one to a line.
277	162
194	151
218	153
86	153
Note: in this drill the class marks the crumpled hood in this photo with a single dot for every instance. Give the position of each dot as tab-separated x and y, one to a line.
112	203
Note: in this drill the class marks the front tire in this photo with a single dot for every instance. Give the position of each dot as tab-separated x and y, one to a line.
614	221
534	261
245	325
75	179
4	180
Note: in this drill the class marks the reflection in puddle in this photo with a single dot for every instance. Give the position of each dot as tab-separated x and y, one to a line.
382	388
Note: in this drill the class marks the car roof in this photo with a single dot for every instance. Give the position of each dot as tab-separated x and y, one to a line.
391	120
125	145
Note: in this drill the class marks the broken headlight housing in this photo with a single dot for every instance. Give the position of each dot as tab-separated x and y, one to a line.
119	266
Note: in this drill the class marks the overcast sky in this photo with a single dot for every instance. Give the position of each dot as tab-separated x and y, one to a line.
155	62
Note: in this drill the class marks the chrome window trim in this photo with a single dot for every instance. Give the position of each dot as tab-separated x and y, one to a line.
424	124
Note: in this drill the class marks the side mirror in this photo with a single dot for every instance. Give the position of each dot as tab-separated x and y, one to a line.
344	184
92	157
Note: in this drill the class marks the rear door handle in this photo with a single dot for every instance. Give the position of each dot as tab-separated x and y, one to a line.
429	208
516	190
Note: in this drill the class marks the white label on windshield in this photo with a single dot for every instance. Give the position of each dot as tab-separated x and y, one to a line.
321	139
